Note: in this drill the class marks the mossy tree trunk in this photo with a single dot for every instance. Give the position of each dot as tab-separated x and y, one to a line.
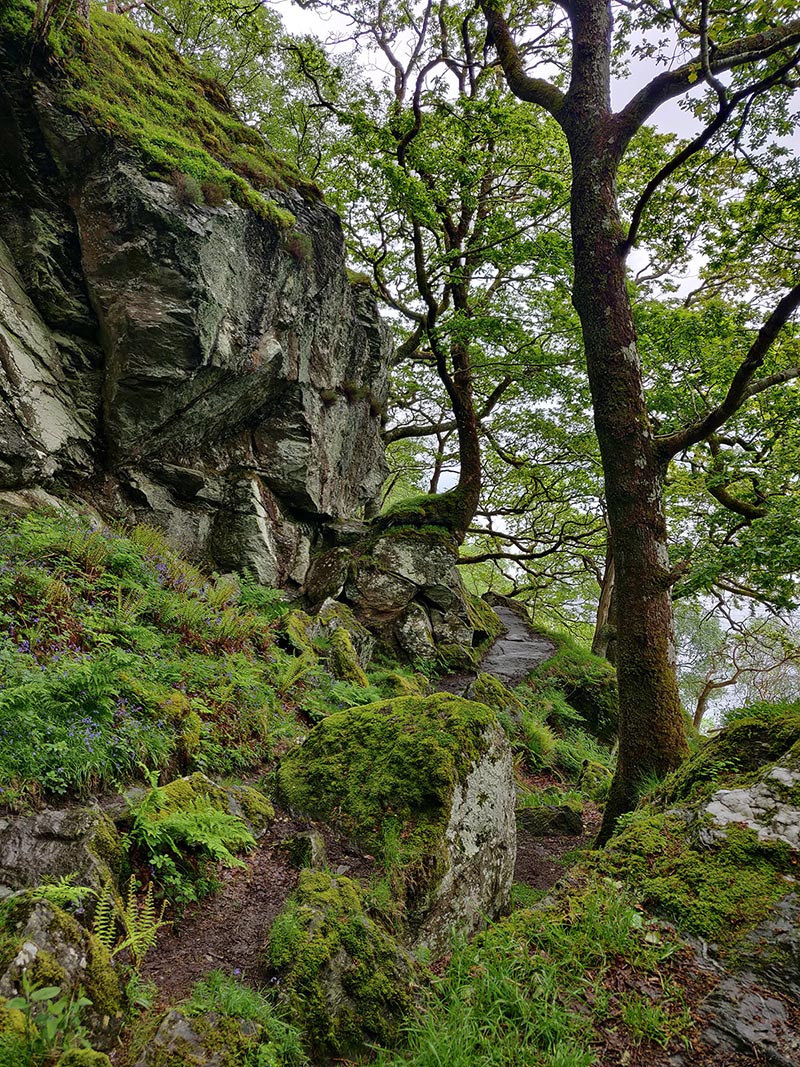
651	732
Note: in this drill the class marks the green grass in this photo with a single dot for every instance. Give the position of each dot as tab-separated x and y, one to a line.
133	86
531	990
118	659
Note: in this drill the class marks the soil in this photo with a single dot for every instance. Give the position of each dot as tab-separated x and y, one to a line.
228	930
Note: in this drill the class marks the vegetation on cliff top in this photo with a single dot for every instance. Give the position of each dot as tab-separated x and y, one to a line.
133	86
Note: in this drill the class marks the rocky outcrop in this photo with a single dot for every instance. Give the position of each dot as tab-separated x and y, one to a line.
77	843
51	949
427	785
405	587
179	364
720	861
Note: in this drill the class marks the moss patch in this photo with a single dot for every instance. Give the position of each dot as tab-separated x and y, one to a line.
386	774
735	755
345	980
134	87
717	892
343	660
442	511
588	684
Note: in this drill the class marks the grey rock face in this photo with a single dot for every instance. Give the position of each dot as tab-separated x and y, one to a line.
481	848
58	843
209	380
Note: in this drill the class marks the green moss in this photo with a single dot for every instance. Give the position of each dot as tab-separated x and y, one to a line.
106	847
733	756
487	690
484	620
343	661
101	982
45	970
133	86
296	625
442	512
588	684
716	892
387	771
345	980
83	1057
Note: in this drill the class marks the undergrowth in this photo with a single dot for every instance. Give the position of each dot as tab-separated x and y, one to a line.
120	659
533	989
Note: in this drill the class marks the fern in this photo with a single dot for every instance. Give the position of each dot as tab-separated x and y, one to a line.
63	892
139	919
104	927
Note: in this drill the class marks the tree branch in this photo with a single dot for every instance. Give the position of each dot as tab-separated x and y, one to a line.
739	391
672	83
533	90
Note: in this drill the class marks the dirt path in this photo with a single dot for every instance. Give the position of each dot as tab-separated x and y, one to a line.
228	930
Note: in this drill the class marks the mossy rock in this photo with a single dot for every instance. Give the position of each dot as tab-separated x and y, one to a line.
296	627
60	842
734	755
440	511
343	660
207	1040
397	761
550	820
387	774
717	891
83	1057
334	616
243	802
345	981
588	682
486	689
54	949
485	621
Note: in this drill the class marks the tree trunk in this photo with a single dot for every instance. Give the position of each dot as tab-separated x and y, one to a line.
604	642
651	732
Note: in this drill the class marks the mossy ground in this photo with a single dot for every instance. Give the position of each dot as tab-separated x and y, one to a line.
134	87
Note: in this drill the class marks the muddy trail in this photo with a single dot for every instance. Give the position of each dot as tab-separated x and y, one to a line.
229	929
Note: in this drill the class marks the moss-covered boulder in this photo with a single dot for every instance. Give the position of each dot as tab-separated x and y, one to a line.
208	1040
716	853
342	977
53	949
588	684
196	791
757	737
59	843
426	783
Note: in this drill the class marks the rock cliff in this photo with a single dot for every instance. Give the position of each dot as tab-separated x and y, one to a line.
194	367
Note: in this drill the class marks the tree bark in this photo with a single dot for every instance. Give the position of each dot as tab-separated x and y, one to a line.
651	729
604	642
